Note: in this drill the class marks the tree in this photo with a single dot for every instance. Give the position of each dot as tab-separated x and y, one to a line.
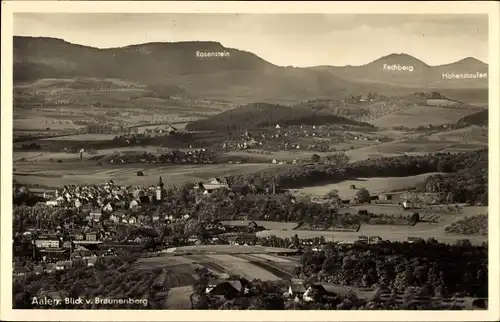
333	197
362	195
315	158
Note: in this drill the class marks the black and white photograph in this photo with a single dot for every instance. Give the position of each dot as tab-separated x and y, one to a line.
250	161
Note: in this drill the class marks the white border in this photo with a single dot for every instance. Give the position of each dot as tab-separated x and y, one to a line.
444	7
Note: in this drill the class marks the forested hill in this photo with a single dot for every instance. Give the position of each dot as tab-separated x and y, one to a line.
265	115
479	118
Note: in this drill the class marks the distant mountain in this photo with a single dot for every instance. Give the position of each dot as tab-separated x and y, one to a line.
234	75
267	115
479	118
408	71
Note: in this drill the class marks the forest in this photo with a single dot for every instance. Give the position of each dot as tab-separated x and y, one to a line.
257	115
465	175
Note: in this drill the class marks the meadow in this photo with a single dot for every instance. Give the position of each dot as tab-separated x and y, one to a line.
394	232
421	116
373	185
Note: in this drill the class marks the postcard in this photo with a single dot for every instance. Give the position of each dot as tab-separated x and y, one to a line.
253	161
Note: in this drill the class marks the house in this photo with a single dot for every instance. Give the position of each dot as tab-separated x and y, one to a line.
92	260
225	288
215	183
80	252
108	207
407	204
136	203
170	129
48	241
53	254
94	215
92	236
62	265
317	290
114	218
132	220
52	203
296	288
78	203
385	197
67	244
278	126
77	236
156	218
274	161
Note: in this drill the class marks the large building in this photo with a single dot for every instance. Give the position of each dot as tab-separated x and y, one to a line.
48	241
159	190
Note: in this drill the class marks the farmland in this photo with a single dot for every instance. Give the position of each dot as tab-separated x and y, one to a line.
373	185
63	106
422	115
51	174
223	261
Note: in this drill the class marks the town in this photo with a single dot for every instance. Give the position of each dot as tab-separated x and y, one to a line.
202	175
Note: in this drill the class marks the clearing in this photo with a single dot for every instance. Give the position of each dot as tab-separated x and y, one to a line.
373	185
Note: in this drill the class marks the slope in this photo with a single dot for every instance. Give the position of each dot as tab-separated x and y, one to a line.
176	65
264	115
479	118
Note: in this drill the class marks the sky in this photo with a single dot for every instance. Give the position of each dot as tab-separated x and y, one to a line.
299	40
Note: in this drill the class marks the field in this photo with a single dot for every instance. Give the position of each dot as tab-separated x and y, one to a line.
467	135
223	260
82	137
441	102
460	140
422	115
53	106
51	174
373	185
393	232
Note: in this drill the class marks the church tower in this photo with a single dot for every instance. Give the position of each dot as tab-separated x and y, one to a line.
159	190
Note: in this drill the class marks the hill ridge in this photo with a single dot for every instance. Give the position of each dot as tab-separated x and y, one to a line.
207	42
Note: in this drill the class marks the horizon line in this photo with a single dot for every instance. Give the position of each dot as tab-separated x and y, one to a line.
218	42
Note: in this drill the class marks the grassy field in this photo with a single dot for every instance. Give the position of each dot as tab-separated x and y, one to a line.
393	232
441	102
82	137
419	145
467	135
373	185
179	298
242	267
421	115
51	174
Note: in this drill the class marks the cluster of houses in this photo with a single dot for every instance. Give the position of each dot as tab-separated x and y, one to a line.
298	290
96	199
294	138
197	156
